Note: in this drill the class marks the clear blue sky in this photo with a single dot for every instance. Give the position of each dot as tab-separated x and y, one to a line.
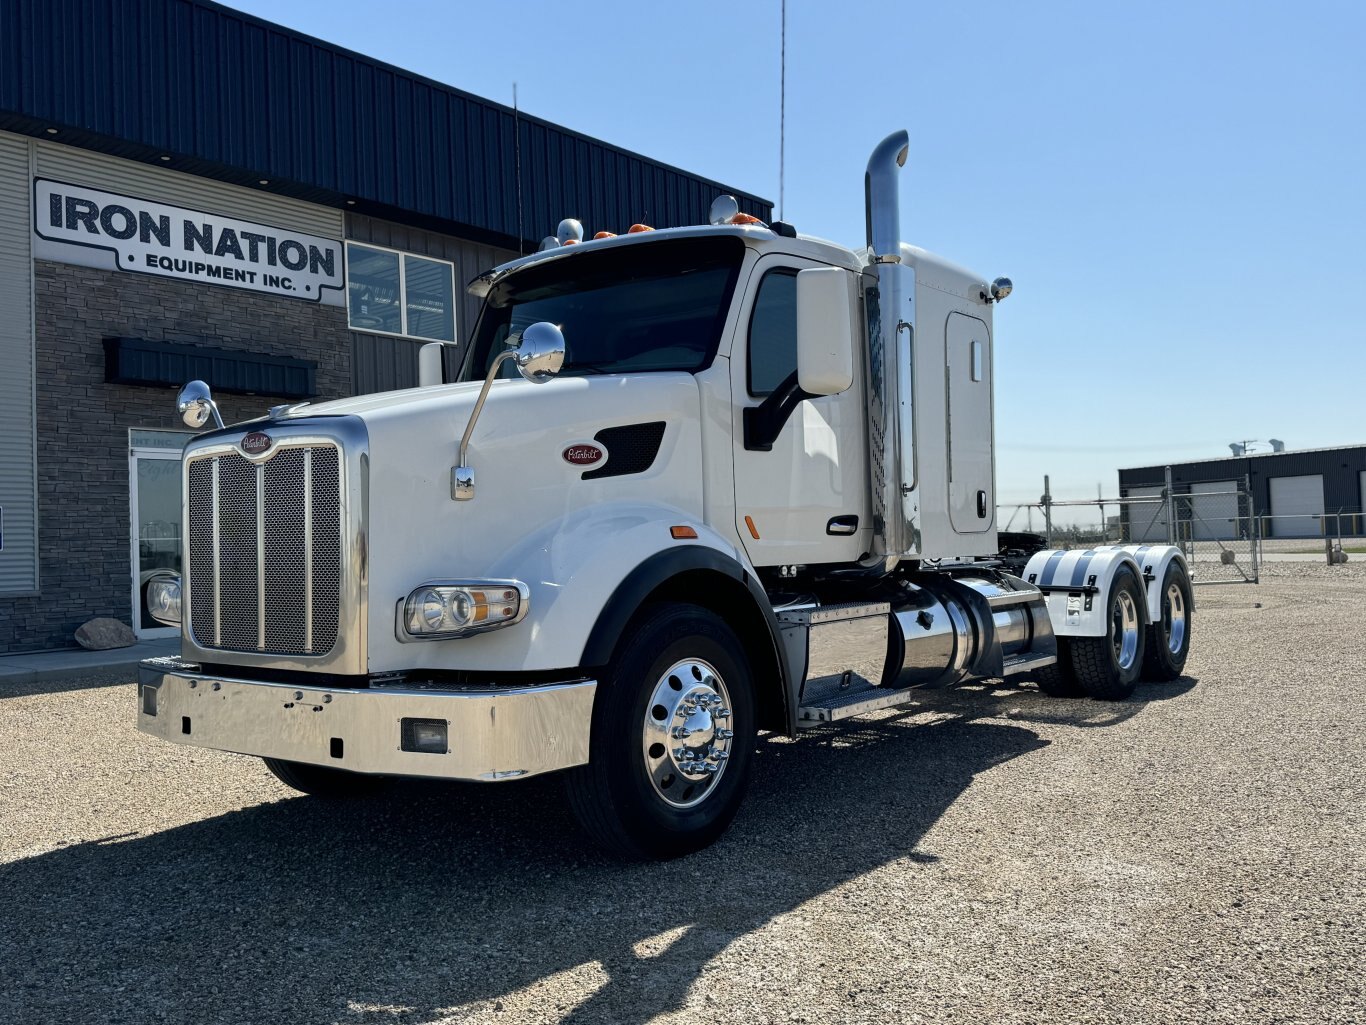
1177	189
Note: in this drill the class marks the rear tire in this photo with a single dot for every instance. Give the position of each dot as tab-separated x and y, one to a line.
1169	639
672	737
322	781
1108	667
1058	680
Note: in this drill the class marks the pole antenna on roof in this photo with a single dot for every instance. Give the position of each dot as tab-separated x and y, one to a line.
517	151
782	108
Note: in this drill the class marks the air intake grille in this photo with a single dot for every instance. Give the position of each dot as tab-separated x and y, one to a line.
265	551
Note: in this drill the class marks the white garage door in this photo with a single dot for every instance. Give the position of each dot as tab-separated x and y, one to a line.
1297	506
1147	520
1214	510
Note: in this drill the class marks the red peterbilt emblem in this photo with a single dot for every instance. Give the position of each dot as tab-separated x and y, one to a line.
257	442
583	455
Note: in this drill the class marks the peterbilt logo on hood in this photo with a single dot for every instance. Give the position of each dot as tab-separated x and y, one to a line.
257	442
583	454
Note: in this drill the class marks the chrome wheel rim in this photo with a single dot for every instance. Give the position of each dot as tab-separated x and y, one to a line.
1174	619
686	736
1124	629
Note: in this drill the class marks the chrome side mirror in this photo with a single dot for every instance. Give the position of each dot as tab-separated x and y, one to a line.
195	404
540	352
539	355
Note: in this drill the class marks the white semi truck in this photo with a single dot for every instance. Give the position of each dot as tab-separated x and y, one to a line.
691	484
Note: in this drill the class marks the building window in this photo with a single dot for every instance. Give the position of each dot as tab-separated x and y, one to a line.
395	293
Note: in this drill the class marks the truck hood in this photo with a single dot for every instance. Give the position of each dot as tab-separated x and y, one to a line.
530	485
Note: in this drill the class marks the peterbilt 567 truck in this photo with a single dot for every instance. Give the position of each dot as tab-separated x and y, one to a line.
690	484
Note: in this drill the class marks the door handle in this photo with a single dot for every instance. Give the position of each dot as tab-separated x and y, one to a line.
842	526
981	505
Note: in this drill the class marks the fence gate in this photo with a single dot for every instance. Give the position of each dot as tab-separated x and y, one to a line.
1216	527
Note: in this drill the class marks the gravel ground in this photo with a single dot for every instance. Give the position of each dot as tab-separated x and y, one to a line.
1194	854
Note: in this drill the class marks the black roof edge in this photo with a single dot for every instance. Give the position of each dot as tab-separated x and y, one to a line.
474	97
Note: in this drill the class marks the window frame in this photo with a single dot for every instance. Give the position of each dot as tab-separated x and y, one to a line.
402	255
785	270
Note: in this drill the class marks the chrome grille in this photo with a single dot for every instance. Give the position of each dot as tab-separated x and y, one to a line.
265	551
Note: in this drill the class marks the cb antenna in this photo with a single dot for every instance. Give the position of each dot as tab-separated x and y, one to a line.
782	107
517	158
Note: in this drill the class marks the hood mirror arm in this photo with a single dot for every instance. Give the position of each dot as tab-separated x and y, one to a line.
539	355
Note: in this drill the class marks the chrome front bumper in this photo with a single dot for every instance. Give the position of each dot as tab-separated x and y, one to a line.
492	733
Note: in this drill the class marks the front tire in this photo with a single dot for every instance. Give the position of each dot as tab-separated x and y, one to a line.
1169	639
672	737
1108	667
322	781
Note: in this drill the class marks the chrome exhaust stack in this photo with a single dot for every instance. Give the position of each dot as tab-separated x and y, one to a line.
881	201
891	335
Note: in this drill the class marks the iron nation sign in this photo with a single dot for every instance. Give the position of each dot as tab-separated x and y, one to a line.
76	224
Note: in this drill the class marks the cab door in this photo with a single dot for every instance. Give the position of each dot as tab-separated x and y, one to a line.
805	501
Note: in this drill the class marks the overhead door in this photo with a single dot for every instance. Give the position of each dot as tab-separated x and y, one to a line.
1147	517
1361	520
1297	506
1213	510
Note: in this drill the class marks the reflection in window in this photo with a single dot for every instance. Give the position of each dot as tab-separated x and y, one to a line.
372	284
623	309
773	332
399	294
428	298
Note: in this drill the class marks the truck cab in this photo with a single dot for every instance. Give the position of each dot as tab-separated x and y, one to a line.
688	484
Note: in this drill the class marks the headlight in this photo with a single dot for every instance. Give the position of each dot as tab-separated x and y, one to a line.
442	610
163	600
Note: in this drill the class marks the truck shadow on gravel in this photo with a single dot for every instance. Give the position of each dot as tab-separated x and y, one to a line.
435	901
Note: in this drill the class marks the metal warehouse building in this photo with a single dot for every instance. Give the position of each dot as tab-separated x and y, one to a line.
187	191
1309	493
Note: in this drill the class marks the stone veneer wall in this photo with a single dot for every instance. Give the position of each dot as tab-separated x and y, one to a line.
83	514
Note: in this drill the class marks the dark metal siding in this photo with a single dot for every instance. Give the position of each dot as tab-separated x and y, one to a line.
233	97
383	362
1340	467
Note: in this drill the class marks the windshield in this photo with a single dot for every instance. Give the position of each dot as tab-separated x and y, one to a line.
627	309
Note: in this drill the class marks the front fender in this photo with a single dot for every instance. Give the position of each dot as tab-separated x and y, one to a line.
575	566
1076	587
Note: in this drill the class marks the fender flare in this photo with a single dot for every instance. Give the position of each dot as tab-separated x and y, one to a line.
656	572
1153	561
1085	574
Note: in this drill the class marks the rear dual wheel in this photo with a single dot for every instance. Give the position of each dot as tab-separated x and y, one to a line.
1169	638
1105	667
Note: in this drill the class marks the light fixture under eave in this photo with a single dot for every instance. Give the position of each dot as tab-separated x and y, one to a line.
52	131
164	157
263	181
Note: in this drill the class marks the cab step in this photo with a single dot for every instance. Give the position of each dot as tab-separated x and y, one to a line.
1025	661
850	703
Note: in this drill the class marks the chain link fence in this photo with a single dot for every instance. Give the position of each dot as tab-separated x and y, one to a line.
1225	539
1213	523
